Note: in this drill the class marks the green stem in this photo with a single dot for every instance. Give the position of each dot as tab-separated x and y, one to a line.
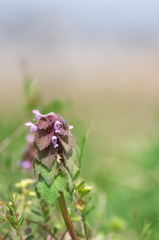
16	215
85	227
66	217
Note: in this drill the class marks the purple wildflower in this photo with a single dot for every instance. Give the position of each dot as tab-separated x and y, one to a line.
29	138
26	164
54	141
57	126
32	126
38	115
52	138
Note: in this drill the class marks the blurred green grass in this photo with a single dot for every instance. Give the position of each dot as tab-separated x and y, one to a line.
120	160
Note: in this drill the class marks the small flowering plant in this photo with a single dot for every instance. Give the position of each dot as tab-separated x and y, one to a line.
54	155
55	161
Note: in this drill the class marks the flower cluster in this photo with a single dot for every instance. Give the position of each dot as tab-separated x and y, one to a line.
53	140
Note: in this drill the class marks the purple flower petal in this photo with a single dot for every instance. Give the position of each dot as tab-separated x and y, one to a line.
28	124
26	164
29	138
70	127
36	112
57	126
32	126
38	115
54	141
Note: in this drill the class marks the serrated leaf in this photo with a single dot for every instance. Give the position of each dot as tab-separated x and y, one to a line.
50	193
67	143
43	123
28	231
30	237
46	156
89	210
70	182
43	138
71	163
47	174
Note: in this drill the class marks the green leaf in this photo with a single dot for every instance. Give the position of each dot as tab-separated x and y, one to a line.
76	219
13	222
55	230
30	237
47	174
21	219
28	231
47	156
70	183
72	165
76	175
10	207
36	212
89	210
50	193
80	185
85	193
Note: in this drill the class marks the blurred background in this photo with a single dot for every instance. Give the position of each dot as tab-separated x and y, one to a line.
103	56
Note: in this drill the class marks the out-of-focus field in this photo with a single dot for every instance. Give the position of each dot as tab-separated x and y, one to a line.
120	99
113	85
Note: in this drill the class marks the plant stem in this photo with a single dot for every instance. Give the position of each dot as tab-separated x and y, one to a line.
63	234
43	226
66	217
85	227
16	215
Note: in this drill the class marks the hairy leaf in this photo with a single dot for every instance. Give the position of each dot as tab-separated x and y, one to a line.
46	156
43	123
50	193
43	138
47	174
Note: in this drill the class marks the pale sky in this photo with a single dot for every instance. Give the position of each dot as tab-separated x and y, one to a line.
121	20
